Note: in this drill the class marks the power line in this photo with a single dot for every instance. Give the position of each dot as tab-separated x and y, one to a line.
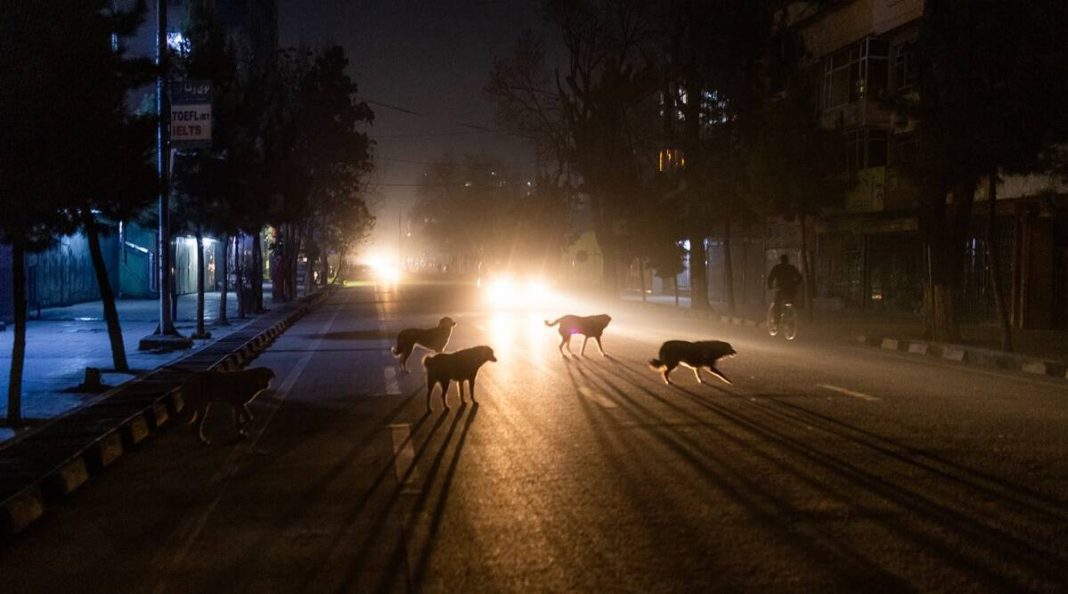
450	164
426	134
478	128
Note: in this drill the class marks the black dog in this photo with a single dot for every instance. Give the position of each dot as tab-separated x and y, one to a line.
588	326
694	355
236	388
463	365
434	339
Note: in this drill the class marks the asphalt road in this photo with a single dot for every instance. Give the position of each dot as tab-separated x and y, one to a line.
824	468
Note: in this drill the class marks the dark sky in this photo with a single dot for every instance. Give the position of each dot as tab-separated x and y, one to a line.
432	57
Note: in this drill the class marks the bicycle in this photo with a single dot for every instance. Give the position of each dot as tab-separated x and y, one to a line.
787	324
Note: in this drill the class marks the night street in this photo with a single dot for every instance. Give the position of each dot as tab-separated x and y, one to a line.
825	467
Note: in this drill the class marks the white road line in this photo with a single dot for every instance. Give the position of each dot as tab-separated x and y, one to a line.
193	525
848	392
596	396
404	457
392	385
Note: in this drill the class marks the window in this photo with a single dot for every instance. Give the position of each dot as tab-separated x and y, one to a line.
905	67
670	159
866	148
855	72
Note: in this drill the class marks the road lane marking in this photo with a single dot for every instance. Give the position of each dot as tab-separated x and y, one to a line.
193	525
848	392
392	384
597	397
404	457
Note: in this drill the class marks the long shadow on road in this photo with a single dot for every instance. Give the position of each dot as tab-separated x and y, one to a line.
723	473
989	545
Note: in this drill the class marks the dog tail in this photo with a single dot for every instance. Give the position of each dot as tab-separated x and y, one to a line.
553	323
657	364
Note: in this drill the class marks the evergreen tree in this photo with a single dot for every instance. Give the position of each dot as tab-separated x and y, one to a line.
993	82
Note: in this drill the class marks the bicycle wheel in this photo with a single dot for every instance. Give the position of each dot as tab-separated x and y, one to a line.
773	325
789	323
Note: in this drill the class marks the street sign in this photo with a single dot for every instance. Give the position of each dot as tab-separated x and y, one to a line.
191	114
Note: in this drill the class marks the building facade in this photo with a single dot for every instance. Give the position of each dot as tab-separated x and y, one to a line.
869	253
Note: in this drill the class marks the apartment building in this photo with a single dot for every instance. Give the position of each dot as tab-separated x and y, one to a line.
869	253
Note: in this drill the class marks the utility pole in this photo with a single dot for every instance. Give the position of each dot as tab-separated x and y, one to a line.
166	336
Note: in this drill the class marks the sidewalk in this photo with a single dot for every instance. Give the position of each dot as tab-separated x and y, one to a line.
65	340
1044	352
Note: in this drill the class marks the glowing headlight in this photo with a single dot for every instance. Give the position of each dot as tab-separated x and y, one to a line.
501	290
389	274
384	271
536	289
508	293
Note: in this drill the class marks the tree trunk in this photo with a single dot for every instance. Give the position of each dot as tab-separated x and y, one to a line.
239	277
294	255
945	233
289	270
223	319
172	273
675	285
806	270
256	274
18	347
324	267
995	266
943	312
728	267
201	333
342	263
641	273
698	273
107	296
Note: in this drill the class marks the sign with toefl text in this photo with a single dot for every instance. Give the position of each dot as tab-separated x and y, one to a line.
190	114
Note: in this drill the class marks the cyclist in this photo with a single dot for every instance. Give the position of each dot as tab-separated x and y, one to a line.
785	278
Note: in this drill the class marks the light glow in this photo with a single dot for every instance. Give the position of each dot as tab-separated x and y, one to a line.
384	270
506	292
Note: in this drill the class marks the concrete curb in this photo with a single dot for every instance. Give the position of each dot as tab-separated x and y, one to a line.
970	355
49	462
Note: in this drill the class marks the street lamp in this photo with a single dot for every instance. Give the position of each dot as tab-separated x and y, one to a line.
166	336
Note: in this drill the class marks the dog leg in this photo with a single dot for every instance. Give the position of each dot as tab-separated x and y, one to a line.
460	386
582	351
200	426
245	415
445	394
429	391
404	360
472	384
720	375
564	339
667	372
697	374
599	347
